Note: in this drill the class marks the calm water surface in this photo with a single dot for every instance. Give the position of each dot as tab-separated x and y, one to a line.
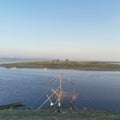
99	90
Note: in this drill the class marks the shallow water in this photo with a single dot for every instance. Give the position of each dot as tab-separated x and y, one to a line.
99	90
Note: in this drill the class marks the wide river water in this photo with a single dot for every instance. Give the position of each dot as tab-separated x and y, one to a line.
99	90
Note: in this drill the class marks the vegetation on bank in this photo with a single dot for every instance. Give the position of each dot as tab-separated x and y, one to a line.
53	115
77	65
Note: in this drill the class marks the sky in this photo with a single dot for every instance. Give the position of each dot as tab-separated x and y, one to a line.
61	29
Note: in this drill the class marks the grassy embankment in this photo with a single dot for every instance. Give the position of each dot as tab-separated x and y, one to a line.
77	65
53	115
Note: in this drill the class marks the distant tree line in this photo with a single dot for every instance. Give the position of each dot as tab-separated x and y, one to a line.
57	60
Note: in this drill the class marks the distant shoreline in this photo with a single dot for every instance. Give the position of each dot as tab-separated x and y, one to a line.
73	65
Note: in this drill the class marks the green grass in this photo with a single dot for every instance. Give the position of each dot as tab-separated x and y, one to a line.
53	115
77	65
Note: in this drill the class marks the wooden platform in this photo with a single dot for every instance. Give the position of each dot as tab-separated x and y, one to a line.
11	106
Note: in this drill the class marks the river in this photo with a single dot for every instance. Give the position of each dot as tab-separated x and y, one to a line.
98	90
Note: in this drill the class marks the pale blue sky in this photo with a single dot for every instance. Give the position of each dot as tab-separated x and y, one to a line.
74	29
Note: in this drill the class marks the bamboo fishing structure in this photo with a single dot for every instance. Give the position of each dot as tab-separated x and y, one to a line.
59	94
